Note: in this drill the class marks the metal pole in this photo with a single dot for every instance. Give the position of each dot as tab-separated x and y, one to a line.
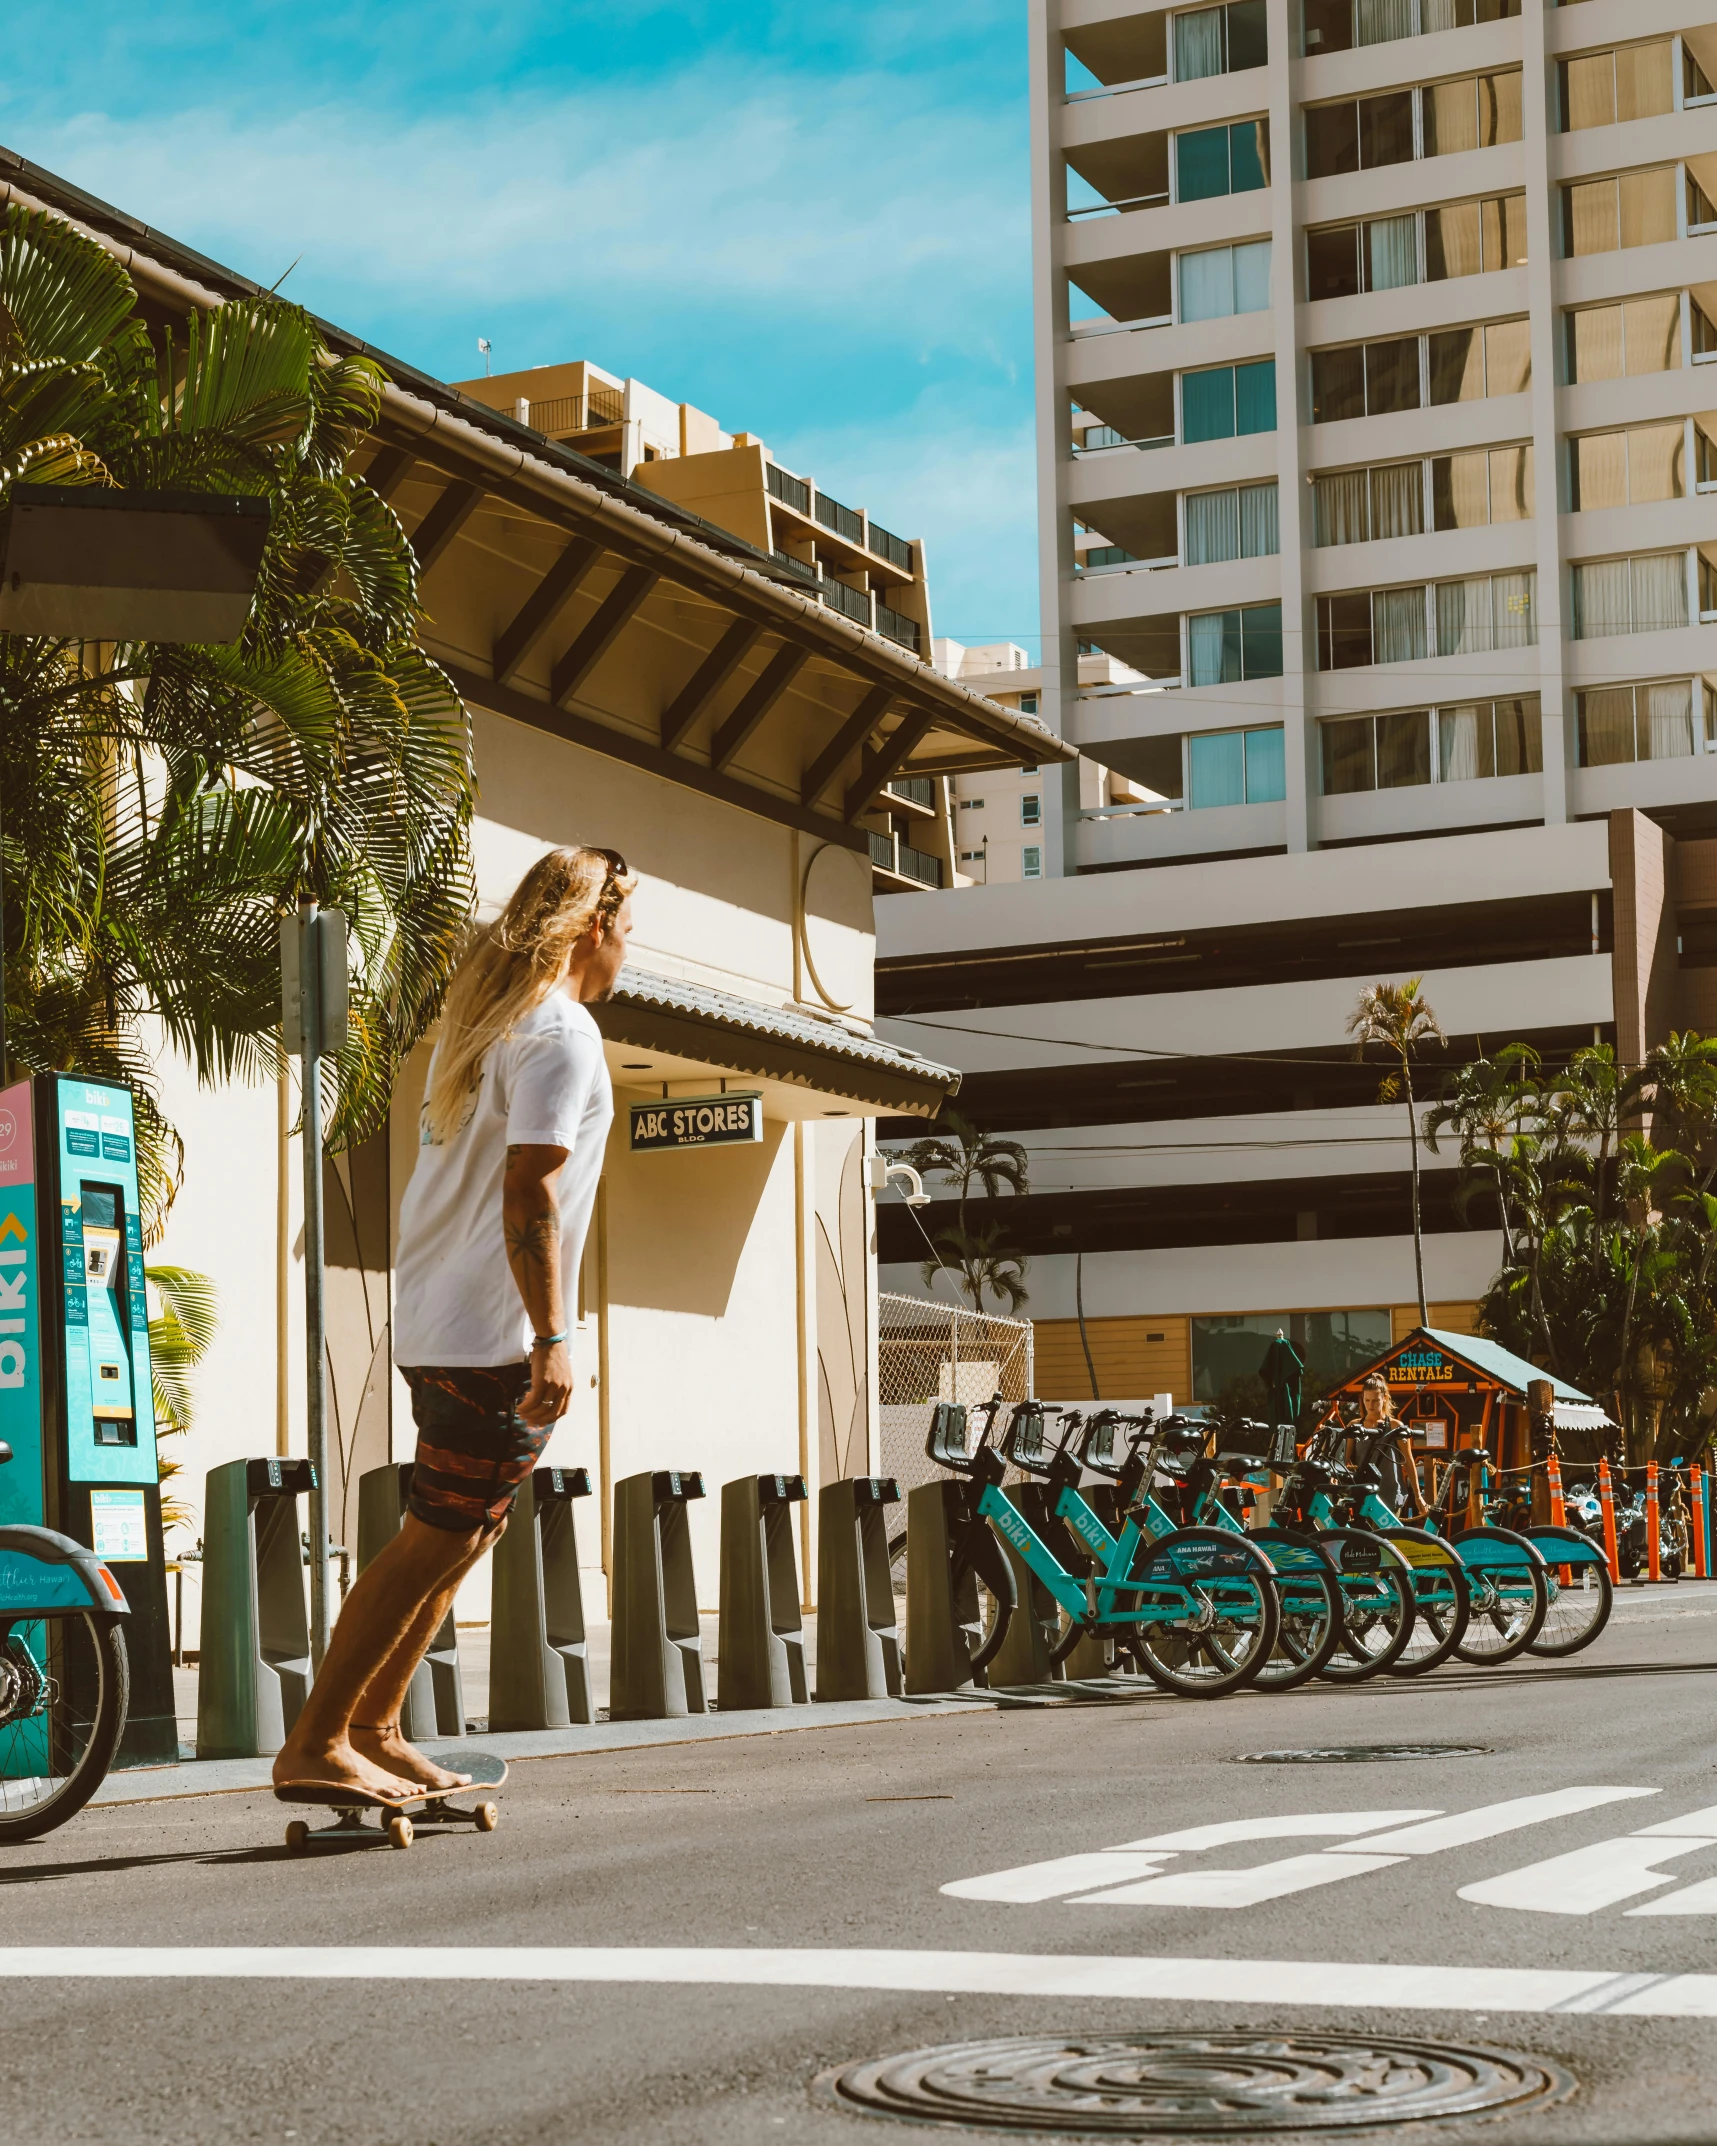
315	1341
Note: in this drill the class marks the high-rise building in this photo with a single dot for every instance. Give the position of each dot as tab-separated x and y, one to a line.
1376	436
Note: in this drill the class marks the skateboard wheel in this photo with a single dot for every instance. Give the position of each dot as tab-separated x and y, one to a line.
297	1833
400	1830
487	1817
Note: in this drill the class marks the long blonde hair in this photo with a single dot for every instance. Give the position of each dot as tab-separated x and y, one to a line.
512	965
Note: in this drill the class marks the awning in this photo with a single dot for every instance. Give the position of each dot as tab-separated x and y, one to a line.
1581	1416
825	1055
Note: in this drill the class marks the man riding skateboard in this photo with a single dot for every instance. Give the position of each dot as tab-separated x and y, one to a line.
491	1230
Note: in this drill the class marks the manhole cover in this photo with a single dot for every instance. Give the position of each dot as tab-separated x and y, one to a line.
1140	2086
1362	1754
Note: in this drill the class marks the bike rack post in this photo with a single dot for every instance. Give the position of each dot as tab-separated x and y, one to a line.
657	1671
1607	1506
1701	1544
539	1665
938	1657
1026	1655
761	1642
1094	1656
858	1641
435	1699
255	1645
1653	1526
1558	1507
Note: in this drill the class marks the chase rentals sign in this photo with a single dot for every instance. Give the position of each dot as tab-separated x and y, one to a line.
696	1121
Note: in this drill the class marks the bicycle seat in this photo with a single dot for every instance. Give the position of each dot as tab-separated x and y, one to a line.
1023	1444
946	1444
1096	1445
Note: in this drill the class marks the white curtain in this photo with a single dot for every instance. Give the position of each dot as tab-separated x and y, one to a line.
1259	534
1216	767
1391	253
1436	15
1212	527
1379	22
1198	45
1659	592
1204	646
1398	625
1458	742
1657	456
1667	719
1340	508
1463	618
1607	726
1252	277
1514	610
1602	601
1207	284
1398	500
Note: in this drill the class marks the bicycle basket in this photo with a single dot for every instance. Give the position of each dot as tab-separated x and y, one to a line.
946	1444
1024	1444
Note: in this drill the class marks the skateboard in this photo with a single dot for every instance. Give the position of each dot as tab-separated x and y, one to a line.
399	1823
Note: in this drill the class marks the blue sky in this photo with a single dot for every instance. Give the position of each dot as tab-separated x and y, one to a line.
809	218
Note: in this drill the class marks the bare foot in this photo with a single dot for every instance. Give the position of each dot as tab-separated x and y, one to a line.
337	1765
382	1743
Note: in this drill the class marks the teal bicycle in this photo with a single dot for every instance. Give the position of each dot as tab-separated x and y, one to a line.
1199	1609
64	1677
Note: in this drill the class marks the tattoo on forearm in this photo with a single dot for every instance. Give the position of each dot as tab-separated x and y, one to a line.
534	1242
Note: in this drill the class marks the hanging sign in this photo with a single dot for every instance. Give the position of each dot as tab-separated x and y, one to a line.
696	1121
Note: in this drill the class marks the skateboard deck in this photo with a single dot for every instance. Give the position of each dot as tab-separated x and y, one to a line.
398	1822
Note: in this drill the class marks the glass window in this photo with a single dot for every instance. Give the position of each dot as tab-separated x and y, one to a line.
1404	745
1249	155
1607	726
1341	508
1216	770
1332	262
1207	404
1332	139
1031	811
1398	500
1519	736
1638	467
1392	376
1398	625
1198	44
1465	743
1499	108
1255	396
1502	222
1645	722
1511	483
1379	22
1344	632
1252	277
1228	1352
1266	767
1349	756
1201	164
1225	280
1031	862
1338	384
1451	117
1456	369
1225	646
1392	253
1596	349
1248	36
1329	25
1454	244
1212	527
1386	129
1261	640
1507	357
1639	595
1604	215
1603	88
1460	490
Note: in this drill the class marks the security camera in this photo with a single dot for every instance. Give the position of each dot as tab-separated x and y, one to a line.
882	1170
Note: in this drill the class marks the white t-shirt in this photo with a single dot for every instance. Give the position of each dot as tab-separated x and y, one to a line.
545	1085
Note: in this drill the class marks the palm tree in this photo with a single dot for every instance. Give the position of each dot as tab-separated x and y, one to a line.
164	806
180	1335
1484	1105
964	1154
1396	1019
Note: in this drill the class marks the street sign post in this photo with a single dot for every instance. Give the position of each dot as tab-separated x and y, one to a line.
313	1021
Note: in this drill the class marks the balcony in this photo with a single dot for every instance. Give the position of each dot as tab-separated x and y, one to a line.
791	491
894	549
896	626
844	521
850	603
913	795
900	863
566	414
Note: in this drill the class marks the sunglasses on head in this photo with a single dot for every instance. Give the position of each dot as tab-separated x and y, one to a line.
612	858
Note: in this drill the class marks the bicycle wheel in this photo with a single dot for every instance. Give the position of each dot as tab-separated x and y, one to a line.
1506	1578
1311	1609
1377	1605
1203	1612
1442	1601
983	1598
51	1759
1580	1599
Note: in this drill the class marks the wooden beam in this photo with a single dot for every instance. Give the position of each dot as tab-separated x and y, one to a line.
388	470
889	758
855	731
599	634
759	697
708	679
443	522
544	605
616	744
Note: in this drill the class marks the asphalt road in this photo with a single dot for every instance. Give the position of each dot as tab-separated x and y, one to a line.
817	1861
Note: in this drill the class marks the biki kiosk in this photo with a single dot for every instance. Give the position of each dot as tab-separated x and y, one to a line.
76	1398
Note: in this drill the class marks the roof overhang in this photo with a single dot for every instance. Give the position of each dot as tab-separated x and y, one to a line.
691	1032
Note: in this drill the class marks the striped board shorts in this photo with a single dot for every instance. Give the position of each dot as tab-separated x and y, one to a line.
473	1451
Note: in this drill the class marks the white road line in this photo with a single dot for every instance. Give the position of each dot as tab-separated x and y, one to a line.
1066	1874
1491	1819
1242	1888
1700	1899
1322	1983
1225	1832
1585	1880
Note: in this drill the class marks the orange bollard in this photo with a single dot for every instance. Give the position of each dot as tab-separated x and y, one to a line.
1607	1501
1558	1510
1653	1558
1701	1548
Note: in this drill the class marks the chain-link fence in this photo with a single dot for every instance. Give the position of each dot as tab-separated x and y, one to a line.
930	1352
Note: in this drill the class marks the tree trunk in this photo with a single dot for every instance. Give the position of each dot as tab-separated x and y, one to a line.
1418	1233
1079	1307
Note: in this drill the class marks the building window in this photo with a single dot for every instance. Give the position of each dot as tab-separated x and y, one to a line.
971	804
1487	612
1469	742
1235	767
1028	704
1614	596
1467	238
1363	506
1225	646
1222	160
1489	484
1371	626
1637	467
1641	335
1228	1351
1220	40
1227	401
1239	524
1636	208
1338	25
1643	722
1032	770
1031	811
1031	862
1603	88
1225	280
1453	365
1364	133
